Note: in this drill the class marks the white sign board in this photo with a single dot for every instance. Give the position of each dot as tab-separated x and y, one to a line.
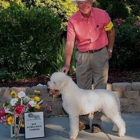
34	125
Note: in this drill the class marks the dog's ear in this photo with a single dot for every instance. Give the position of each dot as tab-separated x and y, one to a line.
64	80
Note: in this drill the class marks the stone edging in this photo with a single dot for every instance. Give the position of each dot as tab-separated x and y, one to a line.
129	94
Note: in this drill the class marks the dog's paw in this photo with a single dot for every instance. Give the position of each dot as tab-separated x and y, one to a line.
72	137
121	133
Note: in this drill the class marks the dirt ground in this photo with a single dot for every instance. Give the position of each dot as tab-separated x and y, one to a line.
114	76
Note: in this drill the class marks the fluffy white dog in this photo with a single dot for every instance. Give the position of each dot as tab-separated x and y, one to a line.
78	101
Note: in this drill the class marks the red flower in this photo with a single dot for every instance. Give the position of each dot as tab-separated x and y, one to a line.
3	118
28	105
2	112
19	109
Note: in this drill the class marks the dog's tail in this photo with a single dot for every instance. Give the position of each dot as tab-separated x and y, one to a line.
118	102
90	116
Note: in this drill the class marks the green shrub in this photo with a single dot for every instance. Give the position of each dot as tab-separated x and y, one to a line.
60	59
63	8
3	75
127	44
6	3
115	8
59	62
28	41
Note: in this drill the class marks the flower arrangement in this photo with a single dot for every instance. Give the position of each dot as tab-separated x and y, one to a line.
19	104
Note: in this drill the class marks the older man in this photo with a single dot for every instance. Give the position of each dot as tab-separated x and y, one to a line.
94	34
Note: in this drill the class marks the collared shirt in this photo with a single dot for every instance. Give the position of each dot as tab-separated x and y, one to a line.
89	33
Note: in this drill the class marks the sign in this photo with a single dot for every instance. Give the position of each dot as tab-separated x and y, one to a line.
34	125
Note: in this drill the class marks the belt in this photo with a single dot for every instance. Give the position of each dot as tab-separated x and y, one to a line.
92	51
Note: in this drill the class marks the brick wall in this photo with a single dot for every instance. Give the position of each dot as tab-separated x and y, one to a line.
128	93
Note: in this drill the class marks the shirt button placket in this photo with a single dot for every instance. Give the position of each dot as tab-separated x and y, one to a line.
89	35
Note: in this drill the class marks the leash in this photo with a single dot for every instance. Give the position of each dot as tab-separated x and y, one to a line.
91	116
106	134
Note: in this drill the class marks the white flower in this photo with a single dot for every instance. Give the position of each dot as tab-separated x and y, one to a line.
21	94
41	85
13	101
7	110
32	103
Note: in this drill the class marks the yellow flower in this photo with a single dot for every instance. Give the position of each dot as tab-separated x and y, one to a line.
37	106
3	105
16	96
13	93
10	120
32	99
37	91
37	98
22	124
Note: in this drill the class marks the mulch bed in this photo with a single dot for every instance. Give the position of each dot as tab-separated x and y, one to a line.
114	76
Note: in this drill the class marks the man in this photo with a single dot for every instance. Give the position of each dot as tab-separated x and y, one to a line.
94	33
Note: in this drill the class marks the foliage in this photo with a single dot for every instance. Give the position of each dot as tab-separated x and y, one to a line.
30	33
2	74
28	41
6	3
73	63
59	62
112	6
63	8
134	6
60	59
127	45
19	104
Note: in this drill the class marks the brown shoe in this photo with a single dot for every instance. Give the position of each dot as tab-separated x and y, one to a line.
96	128
83	126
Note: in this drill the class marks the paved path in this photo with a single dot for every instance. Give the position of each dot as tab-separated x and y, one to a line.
56	128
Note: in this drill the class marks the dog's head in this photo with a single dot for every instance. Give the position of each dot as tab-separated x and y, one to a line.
57	82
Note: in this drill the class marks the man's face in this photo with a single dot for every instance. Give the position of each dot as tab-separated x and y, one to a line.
85	6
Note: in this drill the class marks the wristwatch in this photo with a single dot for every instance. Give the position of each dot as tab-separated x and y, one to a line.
110	51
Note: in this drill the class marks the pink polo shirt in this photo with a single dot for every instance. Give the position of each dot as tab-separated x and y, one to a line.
89	33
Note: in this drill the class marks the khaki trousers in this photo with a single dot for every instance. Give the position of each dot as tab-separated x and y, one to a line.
92	68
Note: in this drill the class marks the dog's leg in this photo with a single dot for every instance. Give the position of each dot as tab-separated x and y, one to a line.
115	128
74	127
119	122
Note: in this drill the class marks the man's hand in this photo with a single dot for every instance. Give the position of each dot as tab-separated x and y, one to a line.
65	69
68	53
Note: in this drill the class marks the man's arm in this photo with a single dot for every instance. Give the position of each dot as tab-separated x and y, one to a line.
68	54
111	40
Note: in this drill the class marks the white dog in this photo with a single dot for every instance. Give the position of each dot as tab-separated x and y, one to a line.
78	101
